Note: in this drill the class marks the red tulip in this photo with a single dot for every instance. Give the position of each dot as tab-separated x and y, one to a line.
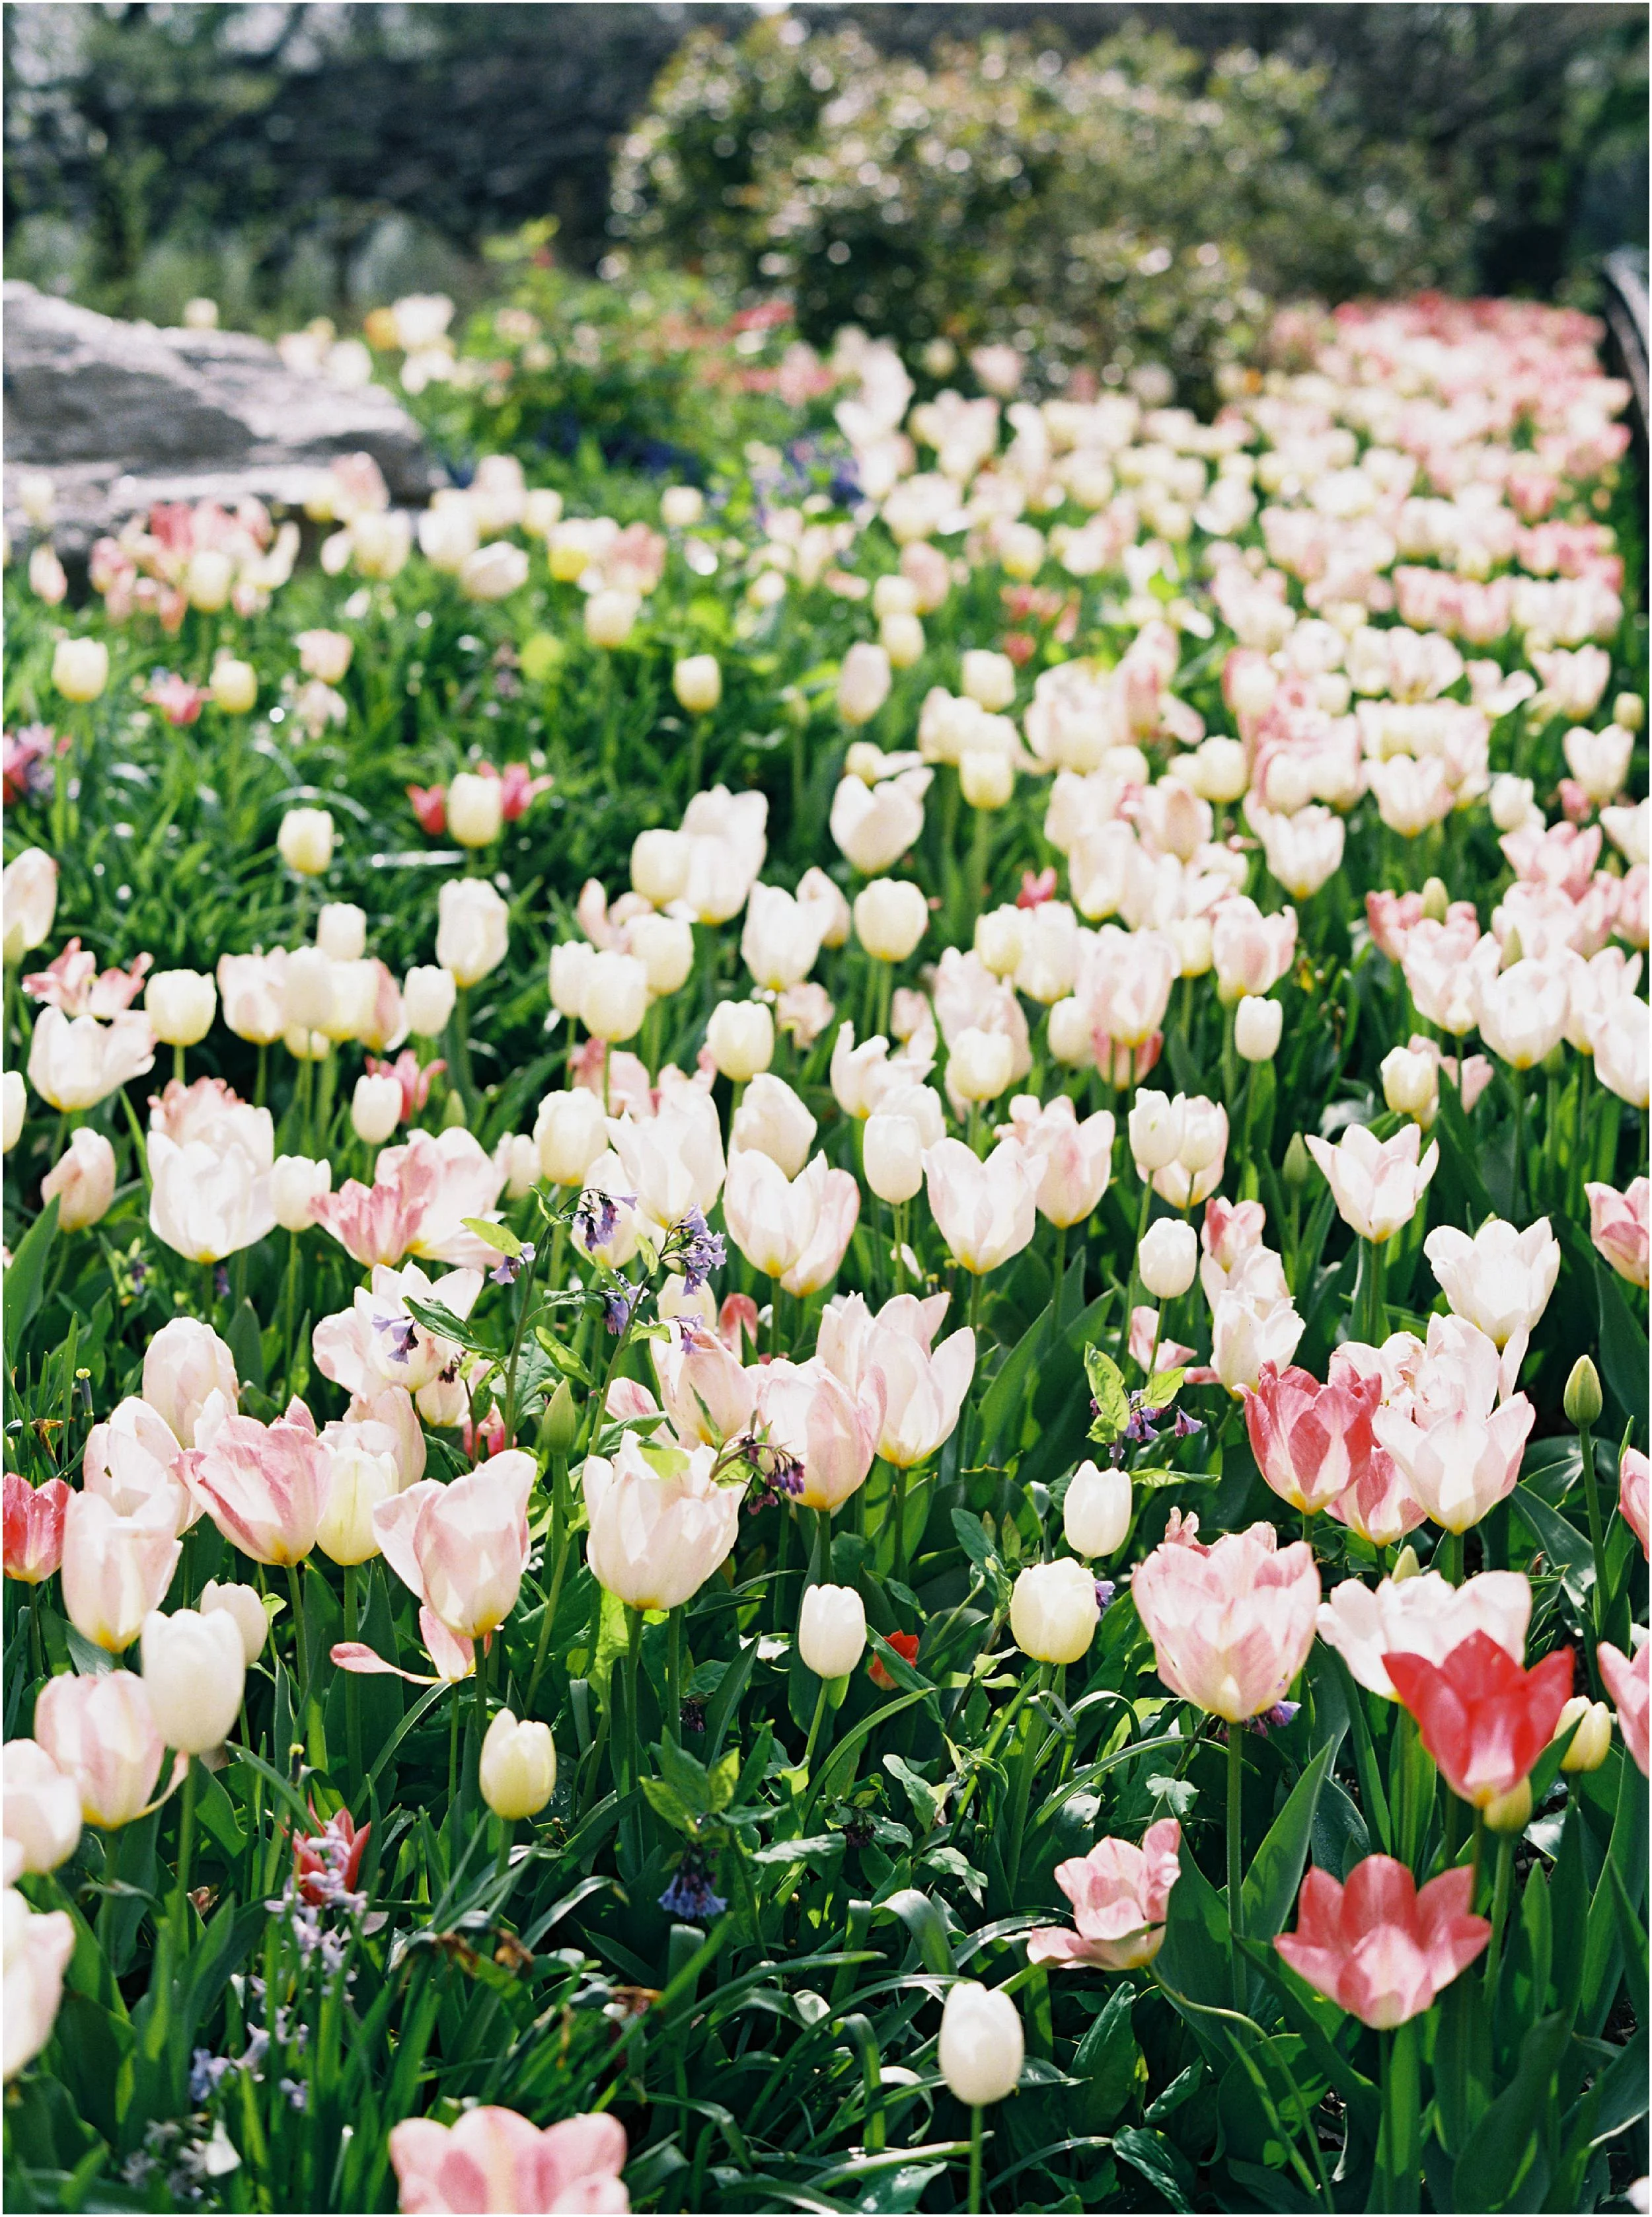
905	1645
430	806
1484	1719
326	1863
33	1527
1377	1947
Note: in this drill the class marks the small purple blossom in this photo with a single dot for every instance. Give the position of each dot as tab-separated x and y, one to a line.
509	1267
401	1335
690	1893
620	1306
1104	1590
1186	1426
700	1251
596	1218
1273	1719
221	1281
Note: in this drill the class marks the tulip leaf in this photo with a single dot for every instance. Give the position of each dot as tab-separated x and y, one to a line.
1270	1883
1623	1360
499	1236
1564	1544
1498	2153
924	1922
1161	2164
25	1275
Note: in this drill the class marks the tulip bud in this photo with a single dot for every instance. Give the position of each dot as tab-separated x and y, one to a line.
1629	710
296	1184
1001	939
1582	1401
358	1481
832	1630
659	865
42	1808
986	780
518	1768
979	1066
741	1038
242	1605
613	996
235	685
375	1108
611	616
1510	1812
305	841
518	1157
893	1155
180	1006
1053	1611
1592	1742
697	681
1156	1125
427	997
901	636
1406	1564
1436	901
981	2045
80	668
570	1132
476	809
863	682
987	678
559	1426
341	931
890	917
682	507
894	596
1096	1513
82	1181
1257	1024
194	1669
1072	1035
1411	1083
1297	1165
1168	1258
207	580
664	945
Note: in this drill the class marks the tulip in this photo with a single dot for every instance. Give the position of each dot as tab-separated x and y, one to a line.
341	931
1424	1614
981	2045
892	1151
1168	1258
245	1610
427	995
697	681
1053	1611
654	1538
1311	1441
358	1480
115	1568
1522	1013
80	668
1501	1279
1376	1183
664	945
493	2159
780	940
1201	1153
1257	1025
207	1202
476	809
462	1547
1249	1331
1623	1051
305	841
472	930
863	683
1458	1457
830	1429
773	1120
772	1219
180	1006
189	1380
708	1394
493	572
375	1108
1483	1718
518	1768
28	898
234	685
14	1109
924	1388
832	1631
1411	1085
1068	1162
37	1951
1121	1896
1230	1624
611	616
987	678
890	917
101	1732
1627	1682
740	1038
132	1462
1379	1947
1591	1743
296	1184
82	1181
1155	1131
76	1062
873	826
35	1519
41	1807
981	1064
1096	1511
673	1160
265	1487
1631	1498
821	1255
1251	952
194	1668
571	1133
659	865
985	1211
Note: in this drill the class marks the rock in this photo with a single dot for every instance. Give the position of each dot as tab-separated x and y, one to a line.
122	414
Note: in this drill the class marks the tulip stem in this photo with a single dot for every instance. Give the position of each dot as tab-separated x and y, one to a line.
1519	1078
1501	1889
975	2158
674	1678
897	1500
186	1843
296	1593
1373	1319
559	1560
1399	2155
352	1684
1032	1734
1236	1839
633	1754
815	1724
1597	1537
1142	1215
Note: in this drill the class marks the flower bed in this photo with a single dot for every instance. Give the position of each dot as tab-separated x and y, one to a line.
826	1320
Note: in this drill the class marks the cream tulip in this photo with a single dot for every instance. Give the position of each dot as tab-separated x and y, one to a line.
305	841
1053	1610
180	1006
518	1767
832	1630
740	1036
194	1669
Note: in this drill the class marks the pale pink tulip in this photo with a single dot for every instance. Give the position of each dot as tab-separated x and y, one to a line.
1231	1625
1378	1183
1069	1163
1632	1494
189	1380
1422	1615
38	1947
1252	951
263	1486
495	2161
1379	1505
772	1219
655	1538
462	1547
34	1519
1630	1687
1501	1279
1617	1226
924	1389
75	1062
416	1203
1457	1456
832	1430
41	1807
115	1568
131	1459
101	1732
984	1210
707	1391
1121	1894
377	1341
1249	1329
822	1257
1231	1230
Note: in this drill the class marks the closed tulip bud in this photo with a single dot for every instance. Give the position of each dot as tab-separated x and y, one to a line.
570	1132
235	685
741	1038
863	682
194	1669
989	679
1411	1083
476	809
1436	901
890	917
1510	1812
1072	1033
1257	1025
80	668
1592	1742
614	1000
360	1481
566	972
427	997
664	945
472	930
1053	1611
697	681
1406	1564
14	1108
375	1108
207	580
37	496
682	507
1001	939
1582	1400
832	1631
559	1426
180	1006
1629	710
341	931
981	1064
981	2045
901	636
82	1181
986	780
305	841
101	1732
1297	1163
30	896
519	1768
659	865
895	595
296	1184
611	616
1096	1513
1168	1258
894	1158
1156	1130
41	1807
242	1605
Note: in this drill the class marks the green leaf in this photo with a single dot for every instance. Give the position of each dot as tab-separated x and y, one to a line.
1163	1388
1498	2151
1270	1885
924	1922
667	1803
1624	1355
686	1778
246	1343
499	1236
1108	2059
1194	1959
798	1852
435	1317
1112	1400
25	1275
1164	2166
1564	1544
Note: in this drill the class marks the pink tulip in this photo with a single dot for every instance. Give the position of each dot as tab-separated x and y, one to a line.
1632	1495
1629	1684
101	1732
708	1395
1249	1329
985	1210
1378	1183
1617	1226
1378	1505
833	1431
495	2161
1120	1895
923	1390
416	1203
33	1527
657	1536
1422	1615
133	1460
1171	1355
1377	1947
189	1380
1251	952
847	1325
1311	1441
1231	1625
264	1486
1455	1454
115	1568
462	1549
1230	1232
821	1257
1068	1163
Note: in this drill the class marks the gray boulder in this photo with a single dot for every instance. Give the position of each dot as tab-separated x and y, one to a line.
122	414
